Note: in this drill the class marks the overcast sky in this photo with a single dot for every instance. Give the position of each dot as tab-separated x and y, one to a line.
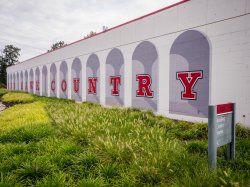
33	25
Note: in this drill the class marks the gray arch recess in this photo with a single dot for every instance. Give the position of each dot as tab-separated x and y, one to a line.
145	61
17	81
21	81
31	80
189	52
26	84
53	80
37	81
44	81
63	76
115	67
76	71
93	70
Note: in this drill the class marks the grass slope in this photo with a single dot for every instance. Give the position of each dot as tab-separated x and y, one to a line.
55	142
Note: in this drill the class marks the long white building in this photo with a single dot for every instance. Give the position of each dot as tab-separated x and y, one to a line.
175	61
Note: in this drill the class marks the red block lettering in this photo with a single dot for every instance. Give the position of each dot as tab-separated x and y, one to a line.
115	81
188	80
76	85
53	85
31	85
64	85
144	83
37	85
92	85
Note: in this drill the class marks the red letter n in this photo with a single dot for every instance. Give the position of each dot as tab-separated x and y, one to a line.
144	83
115	81
188	80
92	85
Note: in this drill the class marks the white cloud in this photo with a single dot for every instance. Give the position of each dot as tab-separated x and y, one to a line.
34	25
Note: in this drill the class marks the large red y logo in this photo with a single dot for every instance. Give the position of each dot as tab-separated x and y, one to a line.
92	85
188	80
144	83
76	85
115	81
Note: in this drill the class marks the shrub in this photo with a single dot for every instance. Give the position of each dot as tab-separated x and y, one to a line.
33	170
2	91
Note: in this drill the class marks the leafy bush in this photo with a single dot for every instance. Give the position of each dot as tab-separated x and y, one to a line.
2	85
2	91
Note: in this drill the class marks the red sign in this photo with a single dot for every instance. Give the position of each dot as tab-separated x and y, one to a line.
224	108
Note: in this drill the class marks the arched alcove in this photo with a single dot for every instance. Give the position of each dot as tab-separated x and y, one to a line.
63	80
37	81
26	81
44	81
17	81
145	76
53	80
115	78
31	83
76	85
14	81
93	78
11	82
189	75
21	81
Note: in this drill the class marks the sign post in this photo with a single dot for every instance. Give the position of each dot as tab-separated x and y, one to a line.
221	131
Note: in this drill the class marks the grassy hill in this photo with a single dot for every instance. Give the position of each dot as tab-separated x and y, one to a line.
56	142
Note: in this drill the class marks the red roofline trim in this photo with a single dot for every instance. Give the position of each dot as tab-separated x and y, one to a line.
126	23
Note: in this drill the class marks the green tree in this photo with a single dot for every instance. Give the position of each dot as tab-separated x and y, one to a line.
57	45
91	33
8	58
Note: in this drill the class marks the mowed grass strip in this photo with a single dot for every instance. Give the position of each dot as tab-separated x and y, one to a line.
61	143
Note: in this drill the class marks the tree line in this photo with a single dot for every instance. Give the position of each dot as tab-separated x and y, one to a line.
10	56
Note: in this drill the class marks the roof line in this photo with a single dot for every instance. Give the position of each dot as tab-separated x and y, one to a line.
112	28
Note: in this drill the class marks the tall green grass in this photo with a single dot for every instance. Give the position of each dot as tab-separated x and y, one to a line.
17	97
53	142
